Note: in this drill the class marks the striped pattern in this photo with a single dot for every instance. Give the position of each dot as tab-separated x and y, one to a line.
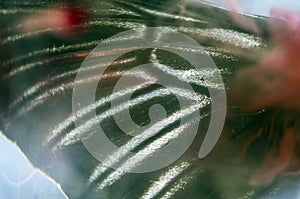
38	72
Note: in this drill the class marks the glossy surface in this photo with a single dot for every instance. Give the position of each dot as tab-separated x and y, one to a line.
38	71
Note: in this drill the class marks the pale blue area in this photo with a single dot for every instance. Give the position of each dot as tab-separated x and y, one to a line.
18	178
259	7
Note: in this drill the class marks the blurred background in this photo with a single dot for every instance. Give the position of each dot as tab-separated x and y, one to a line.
42	46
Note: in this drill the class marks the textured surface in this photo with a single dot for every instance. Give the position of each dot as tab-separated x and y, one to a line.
37	73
